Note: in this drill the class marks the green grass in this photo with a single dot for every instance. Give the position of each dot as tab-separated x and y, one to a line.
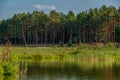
8	64
80	54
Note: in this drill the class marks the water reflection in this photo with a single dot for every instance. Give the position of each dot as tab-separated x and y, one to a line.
23	70
69	71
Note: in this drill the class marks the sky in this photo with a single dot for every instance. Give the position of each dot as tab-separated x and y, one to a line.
10	7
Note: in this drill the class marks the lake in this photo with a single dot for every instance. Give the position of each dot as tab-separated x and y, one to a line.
83	70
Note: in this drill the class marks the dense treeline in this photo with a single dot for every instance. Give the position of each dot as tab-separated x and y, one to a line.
90	26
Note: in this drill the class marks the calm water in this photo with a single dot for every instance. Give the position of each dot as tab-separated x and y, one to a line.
68	71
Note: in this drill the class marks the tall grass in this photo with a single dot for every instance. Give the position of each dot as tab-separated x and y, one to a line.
8	61
80	53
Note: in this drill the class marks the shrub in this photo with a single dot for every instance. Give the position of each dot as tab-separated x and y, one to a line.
1	70
69	44
9	68
110	46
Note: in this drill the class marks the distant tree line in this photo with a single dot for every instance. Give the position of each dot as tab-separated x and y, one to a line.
91	26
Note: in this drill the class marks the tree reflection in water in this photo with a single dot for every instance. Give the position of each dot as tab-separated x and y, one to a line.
69	71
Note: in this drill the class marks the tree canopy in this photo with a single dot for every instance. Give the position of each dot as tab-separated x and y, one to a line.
91	26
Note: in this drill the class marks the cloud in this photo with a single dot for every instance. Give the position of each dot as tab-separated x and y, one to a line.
45	7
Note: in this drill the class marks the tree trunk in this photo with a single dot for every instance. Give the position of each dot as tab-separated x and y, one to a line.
36	36
45	35
24	38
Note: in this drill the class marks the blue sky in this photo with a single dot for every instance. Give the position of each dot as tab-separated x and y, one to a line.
10	7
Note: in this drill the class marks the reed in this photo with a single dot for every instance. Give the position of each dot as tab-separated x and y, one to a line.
10	56
9	62
108	52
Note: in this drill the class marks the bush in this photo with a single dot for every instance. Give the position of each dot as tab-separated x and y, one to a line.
110	46
9	68
1	70
69	44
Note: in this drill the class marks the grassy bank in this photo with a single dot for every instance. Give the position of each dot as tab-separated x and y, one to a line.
81	53
8	61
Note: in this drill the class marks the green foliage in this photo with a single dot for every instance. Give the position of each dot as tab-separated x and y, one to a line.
8	68
93	25
79	54
9	61
83	46
69	44
1	70
69	53
11	77
110	46
71	16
